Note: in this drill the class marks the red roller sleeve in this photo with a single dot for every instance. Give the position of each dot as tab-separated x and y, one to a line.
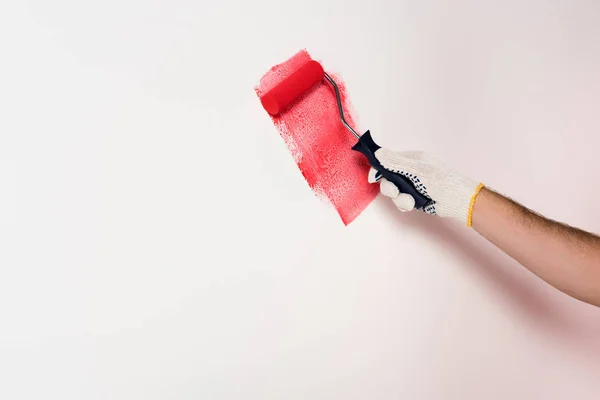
291	88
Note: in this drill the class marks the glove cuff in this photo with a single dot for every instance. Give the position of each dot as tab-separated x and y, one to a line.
472	203
457	198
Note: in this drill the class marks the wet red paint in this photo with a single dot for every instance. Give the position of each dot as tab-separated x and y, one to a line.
320	144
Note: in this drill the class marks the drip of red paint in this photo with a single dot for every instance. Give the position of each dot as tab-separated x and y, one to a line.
320	144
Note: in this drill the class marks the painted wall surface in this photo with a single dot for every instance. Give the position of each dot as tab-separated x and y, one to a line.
158	241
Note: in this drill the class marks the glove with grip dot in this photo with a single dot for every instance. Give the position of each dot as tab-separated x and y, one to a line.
452	193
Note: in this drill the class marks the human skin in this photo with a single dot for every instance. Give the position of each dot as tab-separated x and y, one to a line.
565	257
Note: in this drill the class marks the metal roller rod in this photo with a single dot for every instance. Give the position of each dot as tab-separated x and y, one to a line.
340	108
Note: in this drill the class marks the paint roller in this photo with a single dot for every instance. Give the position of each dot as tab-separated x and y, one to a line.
301	81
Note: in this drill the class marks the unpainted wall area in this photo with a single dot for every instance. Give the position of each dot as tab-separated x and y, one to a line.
163	244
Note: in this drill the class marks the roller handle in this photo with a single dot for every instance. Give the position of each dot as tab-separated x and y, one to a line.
368	147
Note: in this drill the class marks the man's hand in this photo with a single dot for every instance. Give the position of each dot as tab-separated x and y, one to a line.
453	194
565	257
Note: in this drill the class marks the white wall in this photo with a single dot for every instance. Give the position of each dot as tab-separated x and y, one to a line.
157	240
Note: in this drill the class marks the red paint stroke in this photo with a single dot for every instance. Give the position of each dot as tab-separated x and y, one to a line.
321	146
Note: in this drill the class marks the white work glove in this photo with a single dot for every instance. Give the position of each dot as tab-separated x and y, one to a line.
453	194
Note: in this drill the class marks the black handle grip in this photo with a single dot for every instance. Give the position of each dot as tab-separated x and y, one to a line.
368	147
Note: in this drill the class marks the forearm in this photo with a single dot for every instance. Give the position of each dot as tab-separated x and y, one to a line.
565	257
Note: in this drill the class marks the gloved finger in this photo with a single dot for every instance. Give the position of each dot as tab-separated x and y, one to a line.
404	202
374	175
413	155
388	189
407	162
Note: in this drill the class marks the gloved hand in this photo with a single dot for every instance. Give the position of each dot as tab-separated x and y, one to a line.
453	194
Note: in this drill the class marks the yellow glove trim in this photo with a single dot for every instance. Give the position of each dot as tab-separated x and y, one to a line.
472	203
